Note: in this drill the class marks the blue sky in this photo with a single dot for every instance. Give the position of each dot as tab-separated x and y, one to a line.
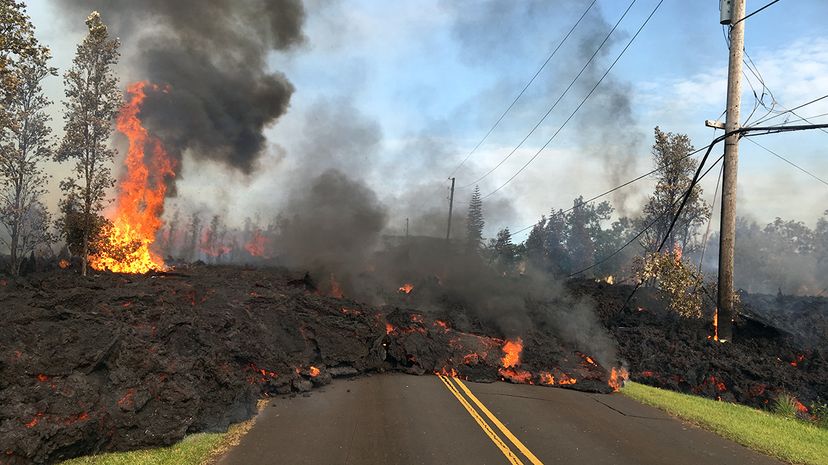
428	78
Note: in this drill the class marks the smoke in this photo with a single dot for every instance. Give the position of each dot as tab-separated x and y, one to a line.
332	226
217	94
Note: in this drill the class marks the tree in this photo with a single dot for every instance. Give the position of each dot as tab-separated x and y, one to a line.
674	174
24	146
92	102
17	44
503	251
194	232
474	221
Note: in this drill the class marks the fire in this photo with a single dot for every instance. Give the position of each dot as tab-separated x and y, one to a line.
799	359
314	372
389	328
336	289
800	407
442	324
256	245
63	263
547	378
677	252
716	325
565	379
407	288
617	378
141	193
511	353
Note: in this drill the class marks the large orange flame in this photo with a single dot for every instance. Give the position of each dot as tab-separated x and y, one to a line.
141	192
511	353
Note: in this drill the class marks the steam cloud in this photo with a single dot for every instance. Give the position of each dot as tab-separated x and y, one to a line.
213	56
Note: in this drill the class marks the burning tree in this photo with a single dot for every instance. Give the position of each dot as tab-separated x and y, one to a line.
25	146
92	101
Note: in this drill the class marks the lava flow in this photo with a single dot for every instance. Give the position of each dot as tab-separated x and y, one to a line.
141	190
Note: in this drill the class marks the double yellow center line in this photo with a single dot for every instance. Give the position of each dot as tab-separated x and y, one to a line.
452	384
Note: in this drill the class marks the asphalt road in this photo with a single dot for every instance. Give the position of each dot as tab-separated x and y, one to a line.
402	419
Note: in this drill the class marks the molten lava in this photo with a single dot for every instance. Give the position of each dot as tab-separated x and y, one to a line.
141	191
314	372
407	288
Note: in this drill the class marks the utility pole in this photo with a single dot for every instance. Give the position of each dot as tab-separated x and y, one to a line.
406	228
451	207
727	236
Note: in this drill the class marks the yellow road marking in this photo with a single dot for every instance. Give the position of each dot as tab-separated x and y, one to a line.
529	455
513	459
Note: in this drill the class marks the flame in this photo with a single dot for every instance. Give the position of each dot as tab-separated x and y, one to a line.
716	325
336	289
407	288
547	378
617	378
511	353
256	245
799	359
800	407
677	252
565	379
442	324
314	372
141	191
389	328
63	263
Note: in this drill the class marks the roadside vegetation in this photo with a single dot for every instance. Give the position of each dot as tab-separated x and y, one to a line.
196	449
782	434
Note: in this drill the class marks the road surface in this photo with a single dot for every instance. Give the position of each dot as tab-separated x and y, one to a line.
402	419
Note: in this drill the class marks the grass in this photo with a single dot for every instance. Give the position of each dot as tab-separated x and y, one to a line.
196	449
787	439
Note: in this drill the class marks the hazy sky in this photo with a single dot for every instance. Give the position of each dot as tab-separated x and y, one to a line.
420	82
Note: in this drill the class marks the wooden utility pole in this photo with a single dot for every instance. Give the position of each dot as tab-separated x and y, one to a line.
451	207
406	227
727	236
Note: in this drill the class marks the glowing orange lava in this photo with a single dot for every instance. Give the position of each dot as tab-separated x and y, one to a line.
141	192
407	288
511	353
314	372
336	289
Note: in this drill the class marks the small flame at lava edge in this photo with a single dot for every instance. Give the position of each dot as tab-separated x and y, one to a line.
141	193
511	353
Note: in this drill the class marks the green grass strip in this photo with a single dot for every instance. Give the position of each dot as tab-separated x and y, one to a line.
192	450
787	439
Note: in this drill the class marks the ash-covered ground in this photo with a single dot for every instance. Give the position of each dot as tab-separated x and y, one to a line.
116	362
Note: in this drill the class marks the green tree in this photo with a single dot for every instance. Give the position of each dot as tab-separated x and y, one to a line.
24	146
92	102
585	230
503	251
674	175
475	222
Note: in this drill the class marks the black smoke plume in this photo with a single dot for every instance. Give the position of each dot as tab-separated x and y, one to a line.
212	56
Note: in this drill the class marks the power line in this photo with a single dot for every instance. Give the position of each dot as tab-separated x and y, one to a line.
620	186
788	161
652	223
579	105
765	120
572	83
523	90
757	11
